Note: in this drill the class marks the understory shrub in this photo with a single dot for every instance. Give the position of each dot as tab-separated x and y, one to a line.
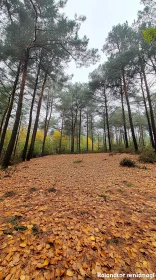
148	155
127	162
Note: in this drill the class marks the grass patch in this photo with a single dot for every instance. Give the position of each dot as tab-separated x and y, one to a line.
120	191
127	162
7	232
115	241
35	229
129	185
77	161
103	196
32	190
51	190
13	220
23	228
9	194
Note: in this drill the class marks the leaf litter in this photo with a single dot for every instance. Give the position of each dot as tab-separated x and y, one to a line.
72	232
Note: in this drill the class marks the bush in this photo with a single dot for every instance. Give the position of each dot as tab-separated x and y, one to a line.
127	162
122	150
148	155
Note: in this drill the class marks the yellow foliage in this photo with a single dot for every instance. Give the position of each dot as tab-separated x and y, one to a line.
84	143
39	135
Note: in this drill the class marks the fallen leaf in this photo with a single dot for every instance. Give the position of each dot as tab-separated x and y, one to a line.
69	273
23	245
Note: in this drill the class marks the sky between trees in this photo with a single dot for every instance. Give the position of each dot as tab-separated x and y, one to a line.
101	16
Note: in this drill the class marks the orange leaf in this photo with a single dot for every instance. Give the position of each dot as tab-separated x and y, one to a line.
23	245
69	273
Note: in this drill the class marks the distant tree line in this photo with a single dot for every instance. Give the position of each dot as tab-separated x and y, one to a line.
42	112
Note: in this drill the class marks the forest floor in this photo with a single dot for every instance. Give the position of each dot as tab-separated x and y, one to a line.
77	217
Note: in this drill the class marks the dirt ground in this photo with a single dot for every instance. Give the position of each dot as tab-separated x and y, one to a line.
77	217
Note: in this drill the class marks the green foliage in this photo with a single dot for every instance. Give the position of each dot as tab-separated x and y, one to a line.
15	219
115	241
127	162
35	229
22	228
128	184
149	35
120	190
121	149
7	232
103	196
148	155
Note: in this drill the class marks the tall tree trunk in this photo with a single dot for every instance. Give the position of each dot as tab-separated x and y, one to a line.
3	118
77	138
98	142
80	121
154	66
72	134
104	131
17	138
11	144
107	121
24	153
147	115
129	113
92	135
31	148
60	144
74	123
5	126
47	121
87	131
124	119
150	108
116	136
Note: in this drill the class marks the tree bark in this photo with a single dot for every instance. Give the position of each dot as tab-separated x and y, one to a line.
98	142
74	122
11	144
147	115
92	135
24	153
104	135
31	148
129	112
87	130
124	119
5	126
3	118
150	108
80	120
17	138
60	144
107	121
47	121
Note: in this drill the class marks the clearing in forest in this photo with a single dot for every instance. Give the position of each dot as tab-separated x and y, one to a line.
74	216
